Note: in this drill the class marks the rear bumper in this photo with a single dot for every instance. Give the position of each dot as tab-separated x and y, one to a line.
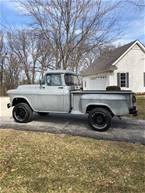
133	111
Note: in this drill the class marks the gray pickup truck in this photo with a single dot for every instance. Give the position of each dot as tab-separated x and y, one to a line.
60	92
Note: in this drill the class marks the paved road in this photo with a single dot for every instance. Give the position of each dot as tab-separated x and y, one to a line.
128	130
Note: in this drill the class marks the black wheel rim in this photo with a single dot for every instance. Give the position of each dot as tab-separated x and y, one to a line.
99	120
20	114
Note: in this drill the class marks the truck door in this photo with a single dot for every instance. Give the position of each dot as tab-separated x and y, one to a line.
51	96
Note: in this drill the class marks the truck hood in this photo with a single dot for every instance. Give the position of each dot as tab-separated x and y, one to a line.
22	88
29	86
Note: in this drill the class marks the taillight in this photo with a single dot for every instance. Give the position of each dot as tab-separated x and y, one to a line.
133	99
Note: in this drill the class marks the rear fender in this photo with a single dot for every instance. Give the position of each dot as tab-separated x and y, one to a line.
91	106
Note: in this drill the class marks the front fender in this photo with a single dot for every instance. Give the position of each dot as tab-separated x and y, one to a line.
18	99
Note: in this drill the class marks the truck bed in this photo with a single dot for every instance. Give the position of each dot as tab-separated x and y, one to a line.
100	92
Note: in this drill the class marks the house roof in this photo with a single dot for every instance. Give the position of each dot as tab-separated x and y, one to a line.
106	62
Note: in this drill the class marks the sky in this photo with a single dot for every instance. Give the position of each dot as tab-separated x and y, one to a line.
131	20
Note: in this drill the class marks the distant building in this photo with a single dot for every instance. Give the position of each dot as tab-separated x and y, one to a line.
123	66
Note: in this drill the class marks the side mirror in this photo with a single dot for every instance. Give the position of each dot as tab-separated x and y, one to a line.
40	82
81	86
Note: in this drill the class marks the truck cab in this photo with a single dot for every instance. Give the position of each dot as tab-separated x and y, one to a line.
57	85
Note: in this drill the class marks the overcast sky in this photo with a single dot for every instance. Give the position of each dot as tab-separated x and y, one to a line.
132	20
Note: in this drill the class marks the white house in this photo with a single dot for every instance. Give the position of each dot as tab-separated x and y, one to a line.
123	66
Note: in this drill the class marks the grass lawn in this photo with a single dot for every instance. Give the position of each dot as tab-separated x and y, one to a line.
46	163
141	107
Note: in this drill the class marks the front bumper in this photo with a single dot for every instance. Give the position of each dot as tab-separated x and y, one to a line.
8	105
133	111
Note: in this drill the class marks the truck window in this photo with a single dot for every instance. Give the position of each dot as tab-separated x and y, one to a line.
71	80
53	80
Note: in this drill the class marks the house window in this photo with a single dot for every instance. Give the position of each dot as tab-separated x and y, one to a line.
123	79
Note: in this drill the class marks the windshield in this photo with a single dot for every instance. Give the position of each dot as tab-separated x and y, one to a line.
71	80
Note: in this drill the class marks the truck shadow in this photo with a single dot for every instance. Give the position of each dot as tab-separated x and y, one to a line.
82	121
62	119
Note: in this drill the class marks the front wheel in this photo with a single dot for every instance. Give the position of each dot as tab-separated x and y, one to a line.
100	119
22	113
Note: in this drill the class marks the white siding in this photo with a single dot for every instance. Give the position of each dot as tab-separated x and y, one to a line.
134	63
98	82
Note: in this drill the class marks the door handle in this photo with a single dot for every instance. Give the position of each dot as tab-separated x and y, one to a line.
60	87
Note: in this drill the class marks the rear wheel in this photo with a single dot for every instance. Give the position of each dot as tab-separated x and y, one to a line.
100	119
22	113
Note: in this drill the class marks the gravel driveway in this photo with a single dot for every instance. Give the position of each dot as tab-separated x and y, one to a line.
126	129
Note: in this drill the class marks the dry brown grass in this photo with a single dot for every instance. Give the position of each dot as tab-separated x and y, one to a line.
141	107
46	163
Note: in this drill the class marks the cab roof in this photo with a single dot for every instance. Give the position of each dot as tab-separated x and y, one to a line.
60	72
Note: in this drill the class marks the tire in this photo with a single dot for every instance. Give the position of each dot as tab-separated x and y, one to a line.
100	119
42	113
22	113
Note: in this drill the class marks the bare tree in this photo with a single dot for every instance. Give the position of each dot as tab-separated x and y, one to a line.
65	34
26	48
11	72
138	3
45	59
72	28
1	57
2	60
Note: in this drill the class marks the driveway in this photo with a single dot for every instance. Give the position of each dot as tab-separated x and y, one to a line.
126	129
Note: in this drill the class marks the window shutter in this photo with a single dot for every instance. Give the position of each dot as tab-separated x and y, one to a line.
127	80
85	84
144	79
118	79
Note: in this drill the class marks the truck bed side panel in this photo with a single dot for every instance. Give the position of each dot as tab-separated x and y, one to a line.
117	102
